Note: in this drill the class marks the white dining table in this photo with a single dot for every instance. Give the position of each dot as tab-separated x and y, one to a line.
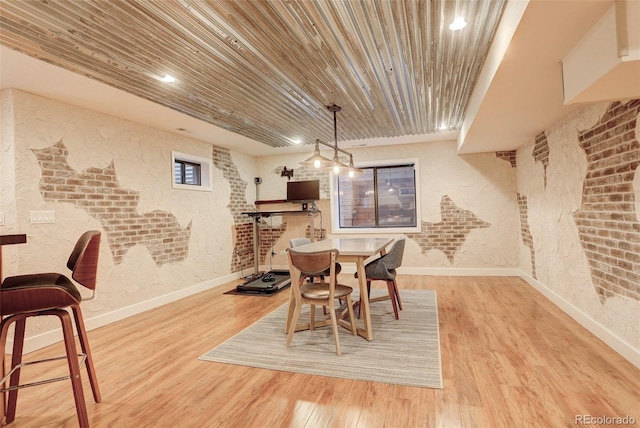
354	250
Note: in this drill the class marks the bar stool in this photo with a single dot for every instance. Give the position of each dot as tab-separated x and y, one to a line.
48	294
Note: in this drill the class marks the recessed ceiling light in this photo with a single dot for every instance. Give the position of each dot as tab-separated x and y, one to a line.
458	24
442	127
168	79
296	141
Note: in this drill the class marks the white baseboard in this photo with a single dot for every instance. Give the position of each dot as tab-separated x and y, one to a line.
50	337
459	271
615	342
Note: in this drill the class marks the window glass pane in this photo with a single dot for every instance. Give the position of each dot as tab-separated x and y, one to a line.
396	193
177	172
384	196
187	173
191	173
357	200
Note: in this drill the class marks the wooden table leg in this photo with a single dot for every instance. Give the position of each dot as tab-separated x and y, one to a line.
290	310
367	332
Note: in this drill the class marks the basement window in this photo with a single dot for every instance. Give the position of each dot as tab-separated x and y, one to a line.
191	172
383	199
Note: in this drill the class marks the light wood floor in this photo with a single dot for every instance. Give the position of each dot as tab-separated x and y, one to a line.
510	359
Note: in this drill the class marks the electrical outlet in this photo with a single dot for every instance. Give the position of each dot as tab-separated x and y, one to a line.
42	217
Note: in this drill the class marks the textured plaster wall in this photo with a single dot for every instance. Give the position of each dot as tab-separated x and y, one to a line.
140	158
7	180
7	164
554	194
480	189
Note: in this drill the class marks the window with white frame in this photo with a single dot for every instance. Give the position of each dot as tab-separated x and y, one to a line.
191	172
382	199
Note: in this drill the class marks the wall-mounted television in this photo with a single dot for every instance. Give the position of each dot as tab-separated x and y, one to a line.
303	191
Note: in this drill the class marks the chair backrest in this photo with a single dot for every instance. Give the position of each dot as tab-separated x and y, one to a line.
385	266
393	259
83	261
296	242
313	263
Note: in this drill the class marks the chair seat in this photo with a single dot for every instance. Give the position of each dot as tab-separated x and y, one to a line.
37	292
386	275
320	291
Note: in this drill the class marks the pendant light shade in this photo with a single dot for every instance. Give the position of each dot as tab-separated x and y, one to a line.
317	160
336	166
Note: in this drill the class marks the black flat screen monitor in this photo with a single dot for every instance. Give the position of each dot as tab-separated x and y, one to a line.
301	191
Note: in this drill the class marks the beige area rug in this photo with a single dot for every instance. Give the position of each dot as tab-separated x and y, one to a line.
402	352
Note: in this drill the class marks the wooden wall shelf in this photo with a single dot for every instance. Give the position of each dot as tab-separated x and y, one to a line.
272	201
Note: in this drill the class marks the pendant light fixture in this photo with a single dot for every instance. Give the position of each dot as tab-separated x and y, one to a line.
319	161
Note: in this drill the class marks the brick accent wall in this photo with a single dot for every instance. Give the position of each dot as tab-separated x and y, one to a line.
607	220
525	232
268	237
509	156
97	191
238	197
243	249
541	153
243	225
451	232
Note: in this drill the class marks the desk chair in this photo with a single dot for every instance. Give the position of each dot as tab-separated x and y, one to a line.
384	269
34	295
315	293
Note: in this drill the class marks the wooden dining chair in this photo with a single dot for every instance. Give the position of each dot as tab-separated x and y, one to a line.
316	293
296	242
384	269
49	294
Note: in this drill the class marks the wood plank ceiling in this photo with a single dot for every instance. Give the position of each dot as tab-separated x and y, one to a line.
268	69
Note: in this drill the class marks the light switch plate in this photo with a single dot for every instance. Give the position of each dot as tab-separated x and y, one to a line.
42	217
